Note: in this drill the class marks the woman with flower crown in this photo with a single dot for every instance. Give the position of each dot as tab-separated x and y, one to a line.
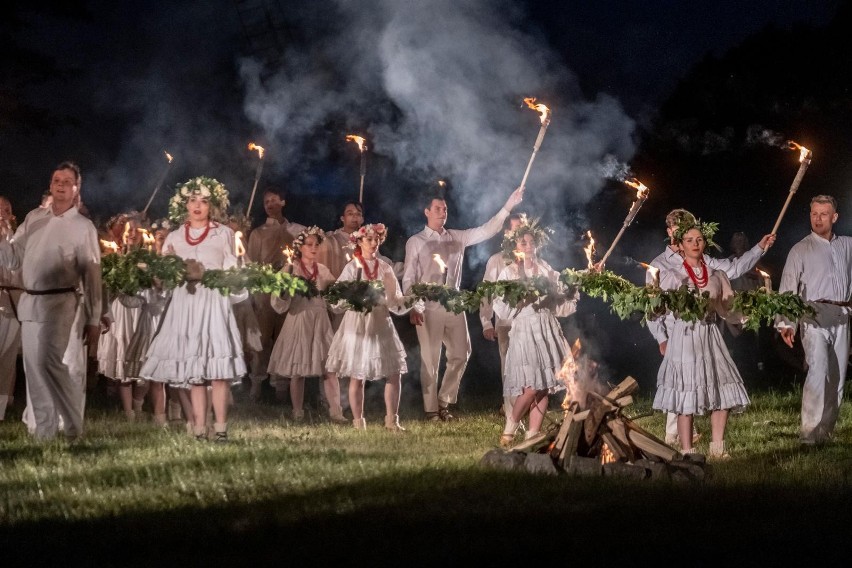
301	348
198	342
124	312
366	346
537	347
697	374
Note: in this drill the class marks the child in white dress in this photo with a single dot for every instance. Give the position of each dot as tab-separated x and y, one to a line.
198	343
302	345
537	347
697	374
366	346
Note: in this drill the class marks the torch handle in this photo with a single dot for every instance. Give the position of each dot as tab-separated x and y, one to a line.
156	189
361	190
536	146
254	189
793	188
612	246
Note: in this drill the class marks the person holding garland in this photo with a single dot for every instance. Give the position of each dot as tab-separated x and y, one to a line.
366	346
198	342
301	348
537	347
697	374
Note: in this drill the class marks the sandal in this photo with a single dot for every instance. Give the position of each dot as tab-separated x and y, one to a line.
507	440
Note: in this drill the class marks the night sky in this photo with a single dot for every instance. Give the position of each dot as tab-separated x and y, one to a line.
435	86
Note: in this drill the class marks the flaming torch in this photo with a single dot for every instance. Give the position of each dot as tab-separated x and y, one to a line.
767	281
519	258
109	246
442	265
805	156
260	151
654	272
159	183
362	147
545	122
590	250
239	249
641	196
147	239
288	258
125	237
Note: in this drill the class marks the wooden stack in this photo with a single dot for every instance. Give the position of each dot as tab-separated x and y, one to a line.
600	440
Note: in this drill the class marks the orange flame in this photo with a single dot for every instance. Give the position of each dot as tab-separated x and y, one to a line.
568	375
539	108
239	249
109	245
519	256
653	270
641	189
440	261
358	140
607	456
168	156
260	150
288	254
575	348
125	237
442	183
590	250
804	153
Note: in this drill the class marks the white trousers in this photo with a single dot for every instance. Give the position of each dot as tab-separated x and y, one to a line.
827	354
55	368
441	327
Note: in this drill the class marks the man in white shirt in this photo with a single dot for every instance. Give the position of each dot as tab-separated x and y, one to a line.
265	245
819	269
436	326
57	250
499	329
671	259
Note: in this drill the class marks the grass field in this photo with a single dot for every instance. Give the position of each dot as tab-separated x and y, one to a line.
315	494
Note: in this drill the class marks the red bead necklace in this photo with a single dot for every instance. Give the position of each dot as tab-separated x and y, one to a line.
193	242
699	281
312	276
370	275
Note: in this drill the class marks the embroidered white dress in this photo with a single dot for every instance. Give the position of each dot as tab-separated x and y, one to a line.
305	338
537	346
366	345
198	339
697	374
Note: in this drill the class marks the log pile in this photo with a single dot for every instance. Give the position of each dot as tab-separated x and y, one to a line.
599	440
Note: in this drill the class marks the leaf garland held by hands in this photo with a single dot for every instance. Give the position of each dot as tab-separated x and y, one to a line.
514	292
760	306
256	278
357	295
137	270
602	284
453	300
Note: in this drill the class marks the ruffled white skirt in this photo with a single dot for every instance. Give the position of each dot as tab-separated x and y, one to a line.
537	351
303	344
366	347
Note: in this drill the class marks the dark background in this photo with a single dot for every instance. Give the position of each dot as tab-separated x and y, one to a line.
675	90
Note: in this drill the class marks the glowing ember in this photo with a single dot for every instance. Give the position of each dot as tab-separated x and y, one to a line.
641	188
606	454
442	183
440	261
590	250
804	153
358	140
260	150
539	108
168	156
239	249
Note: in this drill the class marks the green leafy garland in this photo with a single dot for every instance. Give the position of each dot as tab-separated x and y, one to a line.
513	292
604	284
255	278
357	295
759	306
455	301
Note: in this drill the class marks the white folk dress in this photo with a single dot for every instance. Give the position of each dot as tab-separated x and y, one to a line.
537	346
366	345
305	338
697	375
112	345
198	339
153	303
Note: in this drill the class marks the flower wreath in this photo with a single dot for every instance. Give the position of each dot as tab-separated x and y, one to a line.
163	223
540	235
707	230
376	229
300	238
209	188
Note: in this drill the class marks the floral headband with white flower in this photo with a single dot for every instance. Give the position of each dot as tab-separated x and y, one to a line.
310	231
377	230
206	187
164	224
527	226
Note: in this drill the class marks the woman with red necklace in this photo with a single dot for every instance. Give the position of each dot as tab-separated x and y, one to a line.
198	343
697	375
302	345
366	346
